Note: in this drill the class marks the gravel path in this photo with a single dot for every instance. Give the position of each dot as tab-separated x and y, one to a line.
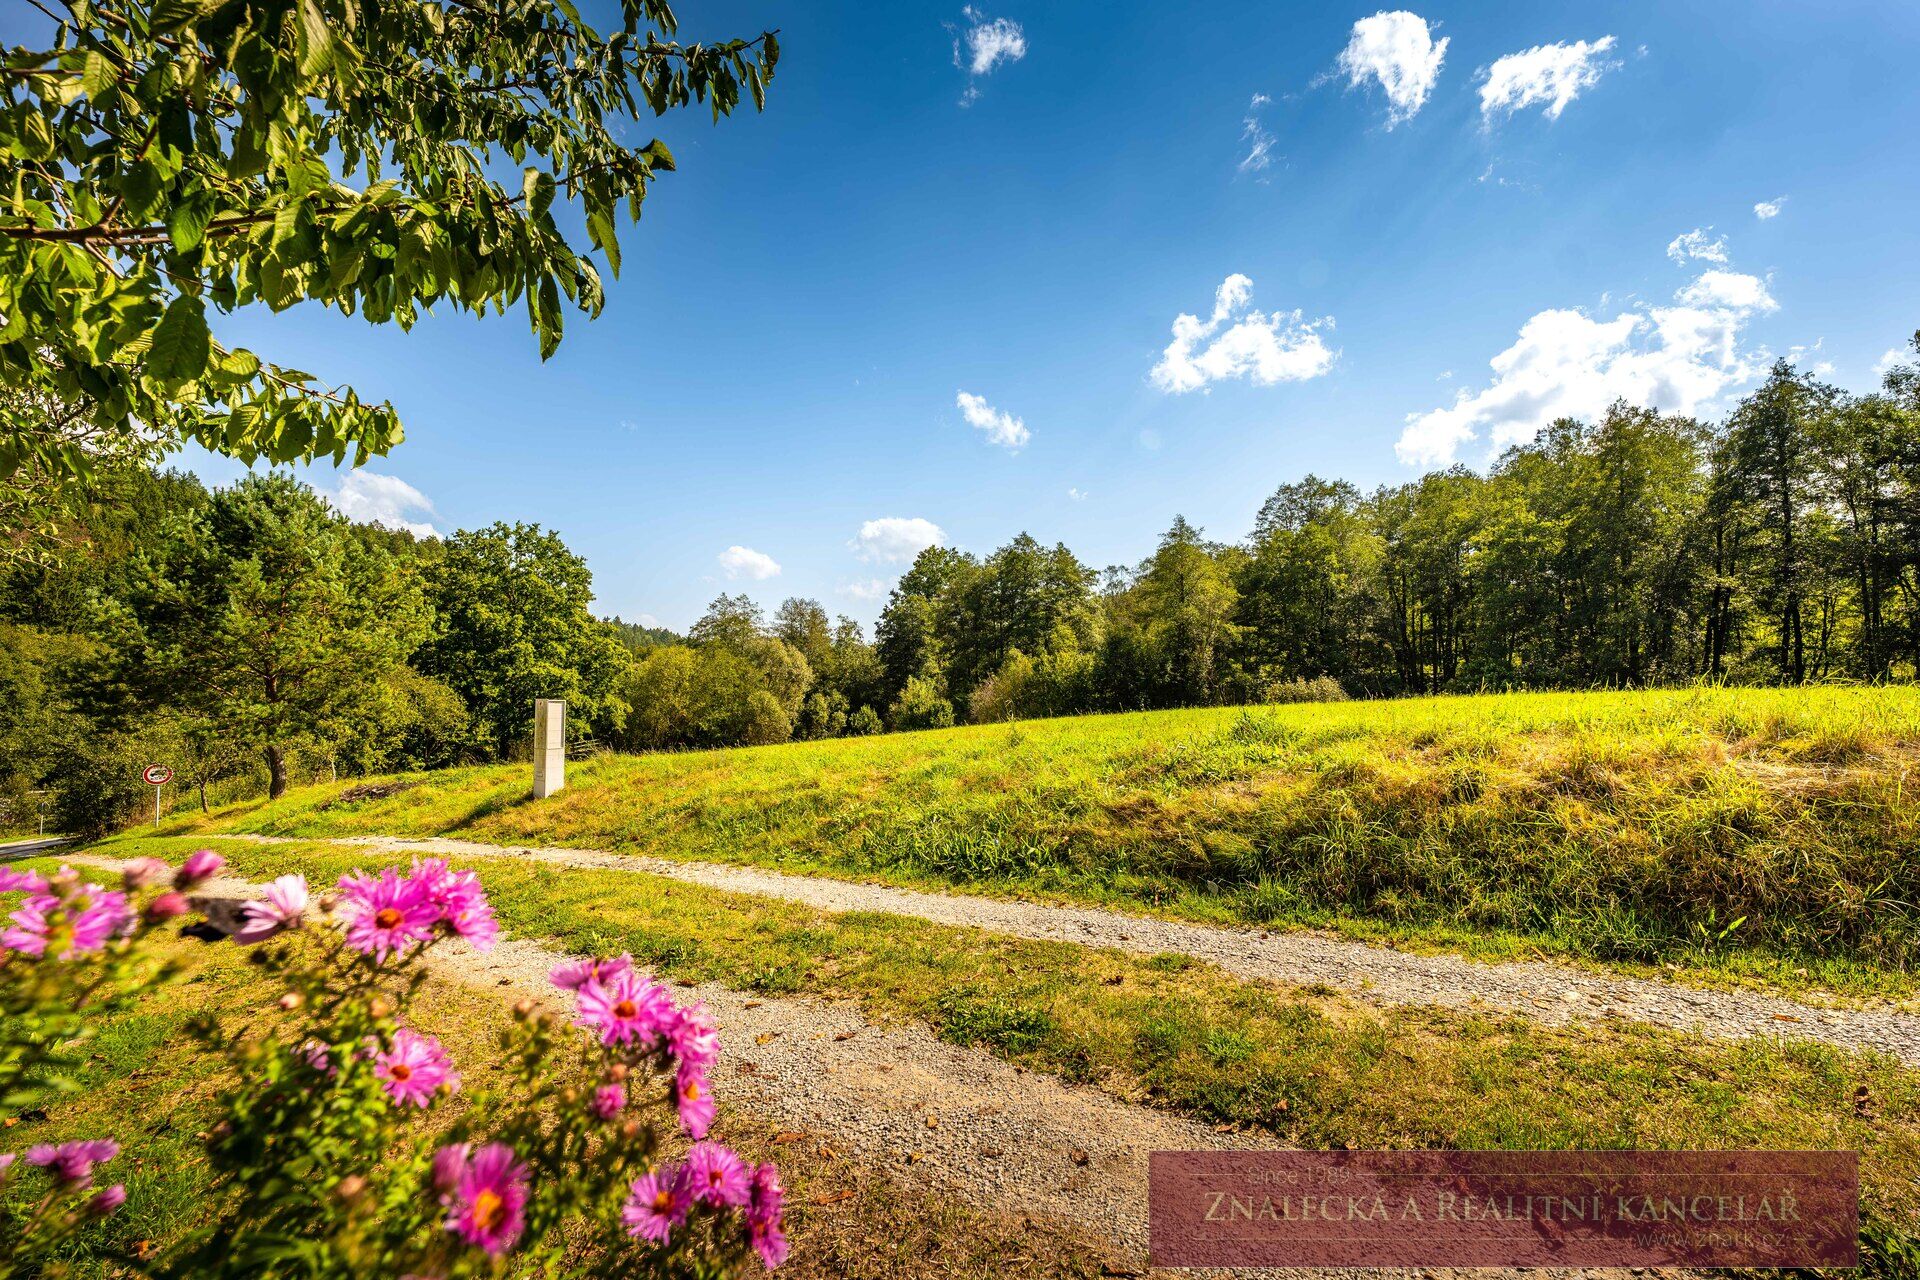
926	1112
1548	993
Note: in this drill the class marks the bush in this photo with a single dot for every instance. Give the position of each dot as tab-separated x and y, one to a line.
920	706
863	722
332	1155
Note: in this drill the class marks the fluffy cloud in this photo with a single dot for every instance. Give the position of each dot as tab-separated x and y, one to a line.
1566	363
368	498
1893	356
1769	208
745	562
1697	244
1399	53
1732	290
1549	74
983	45
1077	494
865	590
1002	429
896	539
1238	342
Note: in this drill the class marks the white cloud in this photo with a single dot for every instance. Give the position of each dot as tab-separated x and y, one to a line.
1566	363
985	44
896	539
1731	289
1282	347
368	498
745	562
646	620
1078	495
865	589
1002	428
1259	141
1549	74
1696	244
1397	51
1769	208
1893	356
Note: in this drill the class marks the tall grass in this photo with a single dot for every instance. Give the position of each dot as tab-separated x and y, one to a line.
1635	825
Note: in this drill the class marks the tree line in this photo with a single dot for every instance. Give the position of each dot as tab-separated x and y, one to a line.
251	637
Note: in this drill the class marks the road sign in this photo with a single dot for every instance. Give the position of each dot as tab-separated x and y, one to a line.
157	775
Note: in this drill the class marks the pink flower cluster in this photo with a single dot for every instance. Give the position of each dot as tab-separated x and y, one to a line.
628	1008
63	916
72	1164
392	913
711	1175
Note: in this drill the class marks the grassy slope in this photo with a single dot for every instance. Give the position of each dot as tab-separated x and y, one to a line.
1631	827
1309	1067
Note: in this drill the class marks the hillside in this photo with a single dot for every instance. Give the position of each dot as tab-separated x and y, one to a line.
1764	830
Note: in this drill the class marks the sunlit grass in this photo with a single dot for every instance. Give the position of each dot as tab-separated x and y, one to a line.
1759	834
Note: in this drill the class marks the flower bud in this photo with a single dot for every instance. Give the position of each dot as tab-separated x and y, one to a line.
167	906
106	1200
290	1001
380	1007
617	1073
142	872
632	1129
350	1187
201	865
523	1010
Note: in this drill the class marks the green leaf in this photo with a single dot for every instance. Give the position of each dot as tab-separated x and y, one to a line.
97	75
537	188
181	342
187	221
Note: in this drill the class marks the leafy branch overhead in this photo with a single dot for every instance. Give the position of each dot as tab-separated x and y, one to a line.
164	160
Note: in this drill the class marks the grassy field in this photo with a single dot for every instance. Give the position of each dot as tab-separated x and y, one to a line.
1757	833
1303	1066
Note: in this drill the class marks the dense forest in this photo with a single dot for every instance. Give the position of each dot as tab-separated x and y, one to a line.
252	638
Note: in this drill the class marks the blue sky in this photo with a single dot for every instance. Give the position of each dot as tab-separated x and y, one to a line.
1017	202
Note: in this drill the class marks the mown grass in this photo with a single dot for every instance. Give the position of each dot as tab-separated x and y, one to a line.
147	1084
1757	835
1311	1068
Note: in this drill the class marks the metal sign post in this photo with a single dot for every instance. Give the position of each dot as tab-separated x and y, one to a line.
156	776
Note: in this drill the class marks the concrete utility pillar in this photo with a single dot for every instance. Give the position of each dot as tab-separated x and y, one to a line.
549	746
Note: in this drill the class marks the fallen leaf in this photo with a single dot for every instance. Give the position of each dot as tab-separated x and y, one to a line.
1081	1157
992	1153
1784	1017
767	1037
914	1157
933	1122
789	1135
753	1004
835	1197
845	1035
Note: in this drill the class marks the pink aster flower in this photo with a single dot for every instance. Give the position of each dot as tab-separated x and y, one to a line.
77	920
413	1068
449	1162
201	865
691	1037
575	974
106	1200
693	1100
717	1175
72	1162
488	1198
609	1100
6	1163
280	909
385	913
658	1203
623	1008
139	873
318	1056
12	881
769	1240
769	1197
462	903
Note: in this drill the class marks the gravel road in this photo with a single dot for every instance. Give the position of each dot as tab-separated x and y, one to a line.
1548	993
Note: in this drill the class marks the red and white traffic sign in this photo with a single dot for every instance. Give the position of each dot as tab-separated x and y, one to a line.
157	775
